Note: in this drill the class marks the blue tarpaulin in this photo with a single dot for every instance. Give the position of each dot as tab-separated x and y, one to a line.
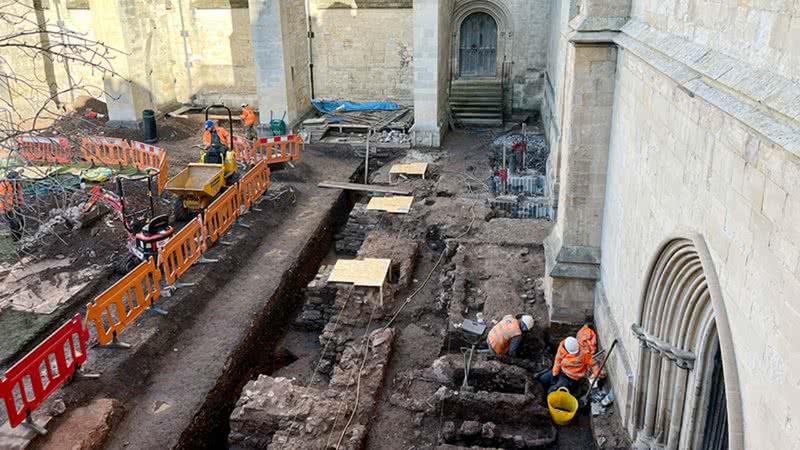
328	106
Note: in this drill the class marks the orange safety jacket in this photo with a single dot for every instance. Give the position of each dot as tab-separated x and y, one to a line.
8	191
501	334
223	134
248	116
587	339
574	366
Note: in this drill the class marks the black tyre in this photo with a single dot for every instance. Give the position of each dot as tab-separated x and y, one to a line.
232	179
125	264
182	214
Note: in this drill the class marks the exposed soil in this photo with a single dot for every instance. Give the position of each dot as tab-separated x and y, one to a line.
101	242
469	264
452	259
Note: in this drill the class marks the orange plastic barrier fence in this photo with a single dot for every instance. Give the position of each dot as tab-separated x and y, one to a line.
182	250
254	183
61	354
145	156
108	151
243	149
49	149
162	175
277	149
221	213
128	298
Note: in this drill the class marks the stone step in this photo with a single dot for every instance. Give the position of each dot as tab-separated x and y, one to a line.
481	92
477	87
480	115
477	102
496	108
481	123
476	81
461	99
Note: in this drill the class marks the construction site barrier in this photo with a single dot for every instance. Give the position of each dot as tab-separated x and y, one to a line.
48	149
146	156
108	151
182	250
26	385
128	298
243	149
222	213
254	183
277	149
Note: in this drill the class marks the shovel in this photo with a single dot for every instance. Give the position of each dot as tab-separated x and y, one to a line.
585	399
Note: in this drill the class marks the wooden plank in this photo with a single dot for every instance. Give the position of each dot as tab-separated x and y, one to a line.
224	117
418	168
365	272
364	187
400	204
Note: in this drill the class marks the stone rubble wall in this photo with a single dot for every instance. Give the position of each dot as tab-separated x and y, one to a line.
277	413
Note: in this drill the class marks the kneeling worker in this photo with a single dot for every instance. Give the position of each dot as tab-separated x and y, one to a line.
571	365
504	337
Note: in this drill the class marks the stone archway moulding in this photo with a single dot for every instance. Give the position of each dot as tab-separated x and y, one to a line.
502	16
719	321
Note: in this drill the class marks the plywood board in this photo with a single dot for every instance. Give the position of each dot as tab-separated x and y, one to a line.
396	205
360	272
418	168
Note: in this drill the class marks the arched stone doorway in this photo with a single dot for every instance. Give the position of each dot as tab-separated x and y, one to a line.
478	46
486	13
686	393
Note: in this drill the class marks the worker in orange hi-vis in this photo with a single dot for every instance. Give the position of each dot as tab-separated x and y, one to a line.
571	365
587	338
10	203
249	120
504	338
221	133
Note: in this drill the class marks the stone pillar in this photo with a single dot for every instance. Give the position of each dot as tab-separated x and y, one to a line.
267	35
281	68
117	24
572	250
431	55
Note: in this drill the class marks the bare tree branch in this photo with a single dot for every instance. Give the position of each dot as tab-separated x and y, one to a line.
41	64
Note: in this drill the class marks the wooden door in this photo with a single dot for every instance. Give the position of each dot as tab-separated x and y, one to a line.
478	48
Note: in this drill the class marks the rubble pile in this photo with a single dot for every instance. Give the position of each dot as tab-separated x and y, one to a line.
393	137
536	152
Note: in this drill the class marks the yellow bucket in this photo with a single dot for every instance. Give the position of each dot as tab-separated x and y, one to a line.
562	405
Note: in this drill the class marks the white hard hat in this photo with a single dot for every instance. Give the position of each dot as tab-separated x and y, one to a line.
571	345
528	321
244	104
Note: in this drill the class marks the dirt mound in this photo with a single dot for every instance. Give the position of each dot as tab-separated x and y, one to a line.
86	103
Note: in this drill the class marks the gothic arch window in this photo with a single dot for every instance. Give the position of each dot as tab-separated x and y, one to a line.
681	391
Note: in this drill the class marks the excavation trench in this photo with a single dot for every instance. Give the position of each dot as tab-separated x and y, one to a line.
260	352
